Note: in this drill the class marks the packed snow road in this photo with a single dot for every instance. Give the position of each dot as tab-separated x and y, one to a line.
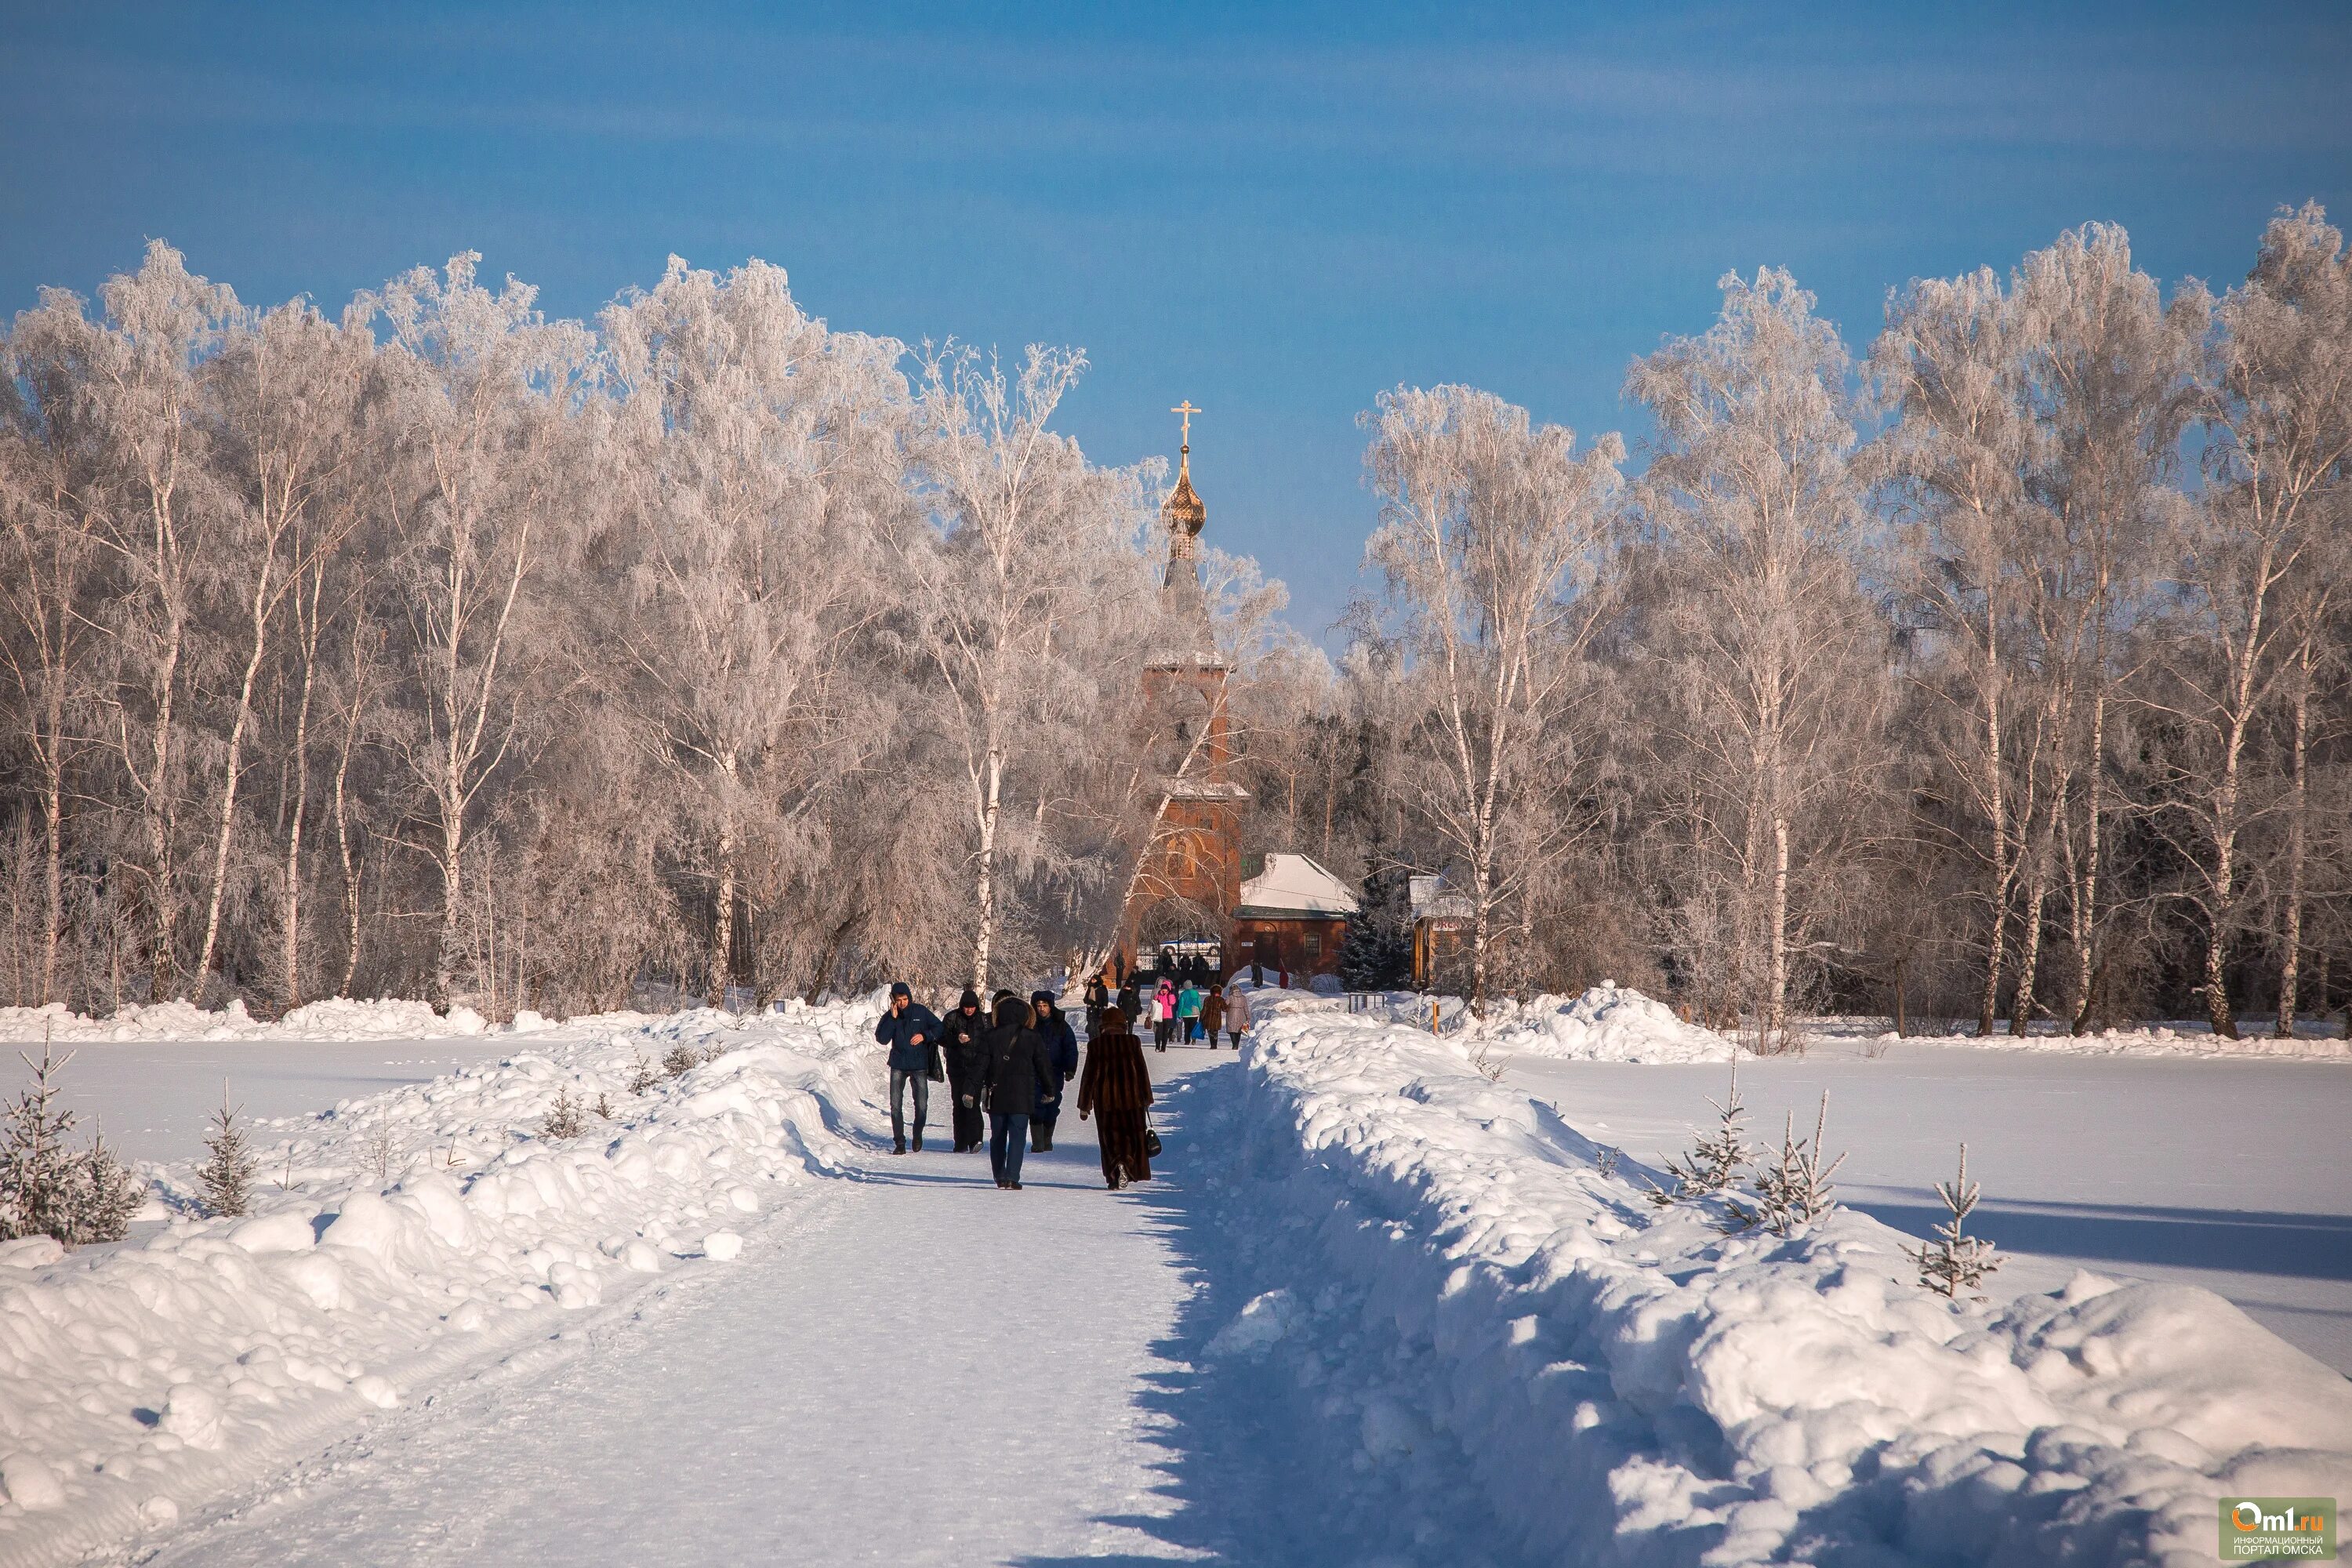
908	1366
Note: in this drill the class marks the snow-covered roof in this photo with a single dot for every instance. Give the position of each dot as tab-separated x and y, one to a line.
1432	900
1296	885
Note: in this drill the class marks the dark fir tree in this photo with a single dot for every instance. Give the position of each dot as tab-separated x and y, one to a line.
1376	949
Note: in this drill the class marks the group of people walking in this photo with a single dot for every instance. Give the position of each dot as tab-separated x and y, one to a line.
1013	1062
1189	1011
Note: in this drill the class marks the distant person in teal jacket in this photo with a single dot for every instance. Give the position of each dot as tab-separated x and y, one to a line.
1188	1011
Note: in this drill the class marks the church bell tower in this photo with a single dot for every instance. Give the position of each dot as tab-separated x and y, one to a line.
1192	865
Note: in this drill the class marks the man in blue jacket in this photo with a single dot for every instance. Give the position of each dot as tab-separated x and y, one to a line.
908	1028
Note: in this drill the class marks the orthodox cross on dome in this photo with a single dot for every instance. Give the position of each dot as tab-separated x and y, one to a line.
1182	510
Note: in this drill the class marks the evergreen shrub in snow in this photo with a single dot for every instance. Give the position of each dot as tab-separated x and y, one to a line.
1953	1262
48	1188
226	1175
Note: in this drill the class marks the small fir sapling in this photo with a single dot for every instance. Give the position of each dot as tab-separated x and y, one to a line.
1716	1161
1794	1190
642	1076
603	1105
45	1188
226	1175
680	1058
565	1118
1953	1262
106	1193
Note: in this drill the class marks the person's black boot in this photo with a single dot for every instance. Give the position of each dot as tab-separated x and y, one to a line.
900	1145
918	1140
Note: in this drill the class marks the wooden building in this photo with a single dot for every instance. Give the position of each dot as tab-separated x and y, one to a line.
1291	917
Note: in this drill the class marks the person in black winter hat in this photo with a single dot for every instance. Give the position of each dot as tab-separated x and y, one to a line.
960	1034
1062	1050
910	1030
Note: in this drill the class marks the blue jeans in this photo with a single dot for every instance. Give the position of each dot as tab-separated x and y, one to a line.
1008	1139
899	1078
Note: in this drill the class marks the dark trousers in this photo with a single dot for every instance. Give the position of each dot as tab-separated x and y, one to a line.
1160	1029
968	1134
1236	1034
1008	1139
899	1080
1041	1127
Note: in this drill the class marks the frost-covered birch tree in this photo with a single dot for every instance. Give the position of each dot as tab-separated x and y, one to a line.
1773	658
477	388
1490	540
1021	526
764	448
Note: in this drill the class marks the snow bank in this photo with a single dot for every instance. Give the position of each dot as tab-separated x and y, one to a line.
1609	1022
1632	1387
397	1237
339	1020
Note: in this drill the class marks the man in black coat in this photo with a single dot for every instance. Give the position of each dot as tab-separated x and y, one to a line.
1018	1072
910	1030
960	1034
1062	1050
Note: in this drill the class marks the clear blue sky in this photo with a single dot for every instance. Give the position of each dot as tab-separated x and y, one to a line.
1275	211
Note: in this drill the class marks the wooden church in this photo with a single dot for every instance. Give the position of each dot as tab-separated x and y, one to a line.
1202	899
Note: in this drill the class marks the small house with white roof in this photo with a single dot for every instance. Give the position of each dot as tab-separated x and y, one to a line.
1290	917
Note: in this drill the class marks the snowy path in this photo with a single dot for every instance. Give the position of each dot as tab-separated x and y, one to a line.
912	1367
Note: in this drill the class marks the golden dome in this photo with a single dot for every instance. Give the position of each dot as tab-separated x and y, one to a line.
1182	510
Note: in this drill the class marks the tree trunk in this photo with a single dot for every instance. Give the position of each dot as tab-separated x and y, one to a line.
53	812
1777	981
984	892
343	840
228	822
723	925
2084	917
2004	870
2298	801
166	962
2222	907
2029	955
292	938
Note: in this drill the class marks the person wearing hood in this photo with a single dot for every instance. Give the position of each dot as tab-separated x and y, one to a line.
1163	1013
1117	1084
1017	1074
1130	1003
1097	997
1238	1012
960	1032
910	1030
1062	1050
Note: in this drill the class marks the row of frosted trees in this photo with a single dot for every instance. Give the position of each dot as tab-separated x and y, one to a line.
444	649
2000	674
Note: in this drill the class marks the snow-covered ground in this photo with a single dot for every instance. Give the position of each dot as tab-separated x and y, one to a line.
1378	1309
395	1241
2227	1174
1464	1271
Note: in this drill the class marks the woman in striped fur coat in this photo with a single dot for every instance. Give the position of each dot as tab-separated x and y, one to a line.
1116	1083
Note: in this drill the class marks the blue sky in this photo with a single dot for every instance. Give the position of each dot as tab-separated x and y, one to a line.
1275	211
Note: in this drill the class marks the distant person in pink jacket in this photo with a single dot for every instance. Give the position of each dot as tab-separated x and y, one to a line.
1163	1013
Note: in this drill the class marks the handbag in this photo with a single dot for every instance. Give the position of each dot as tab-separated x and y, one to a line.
1151	1142
932	1071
